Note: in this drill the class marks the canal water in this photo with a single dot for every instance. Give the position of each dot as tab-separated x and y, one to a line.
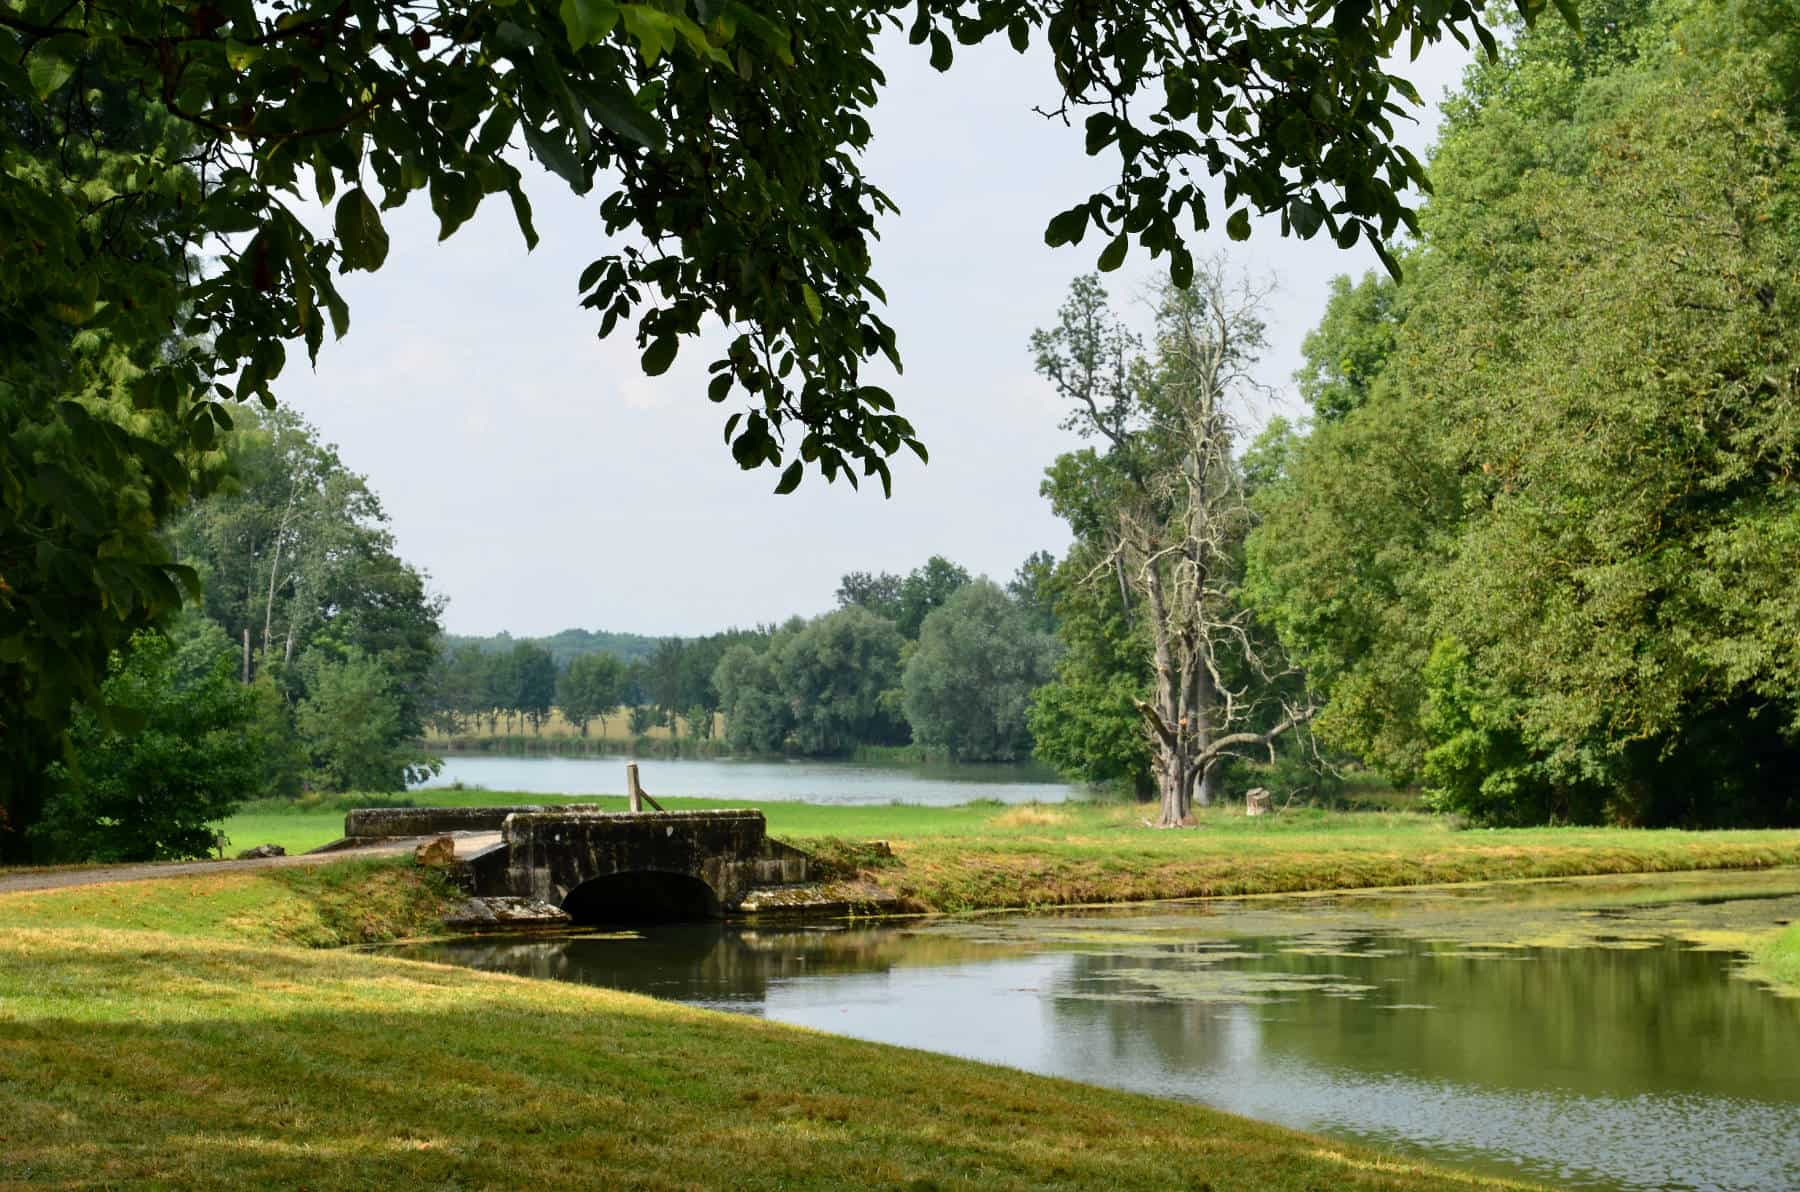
801	781
1588	1033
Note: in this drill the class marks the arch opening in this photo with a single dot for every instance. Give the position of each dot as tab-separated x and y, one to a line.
641	897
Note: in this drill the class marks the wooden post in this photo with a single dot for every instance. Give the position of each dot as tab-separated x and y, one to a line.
636	793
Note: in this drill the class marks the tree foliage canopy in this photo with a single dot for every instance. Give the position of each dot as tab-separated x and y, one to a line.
1547	561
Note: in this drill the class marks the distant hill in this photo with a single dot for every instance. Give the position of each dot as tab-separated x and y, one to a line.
570	643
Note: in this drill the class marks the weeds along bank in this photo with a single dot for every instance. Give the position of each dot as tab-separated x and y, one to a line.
176	1033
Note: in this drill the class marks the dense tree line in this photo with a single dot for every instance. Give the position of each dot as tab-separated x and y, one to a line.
1538	544
934	658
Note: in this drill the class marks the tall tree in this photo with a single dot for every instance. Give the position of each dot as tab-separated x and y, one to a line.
1539	565
835	673
968	685
928	586
879	592
589	688
1171	517
534	684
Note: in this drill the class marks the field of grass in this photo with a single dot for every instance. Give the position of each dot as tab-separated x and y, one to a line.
984	856
155	1035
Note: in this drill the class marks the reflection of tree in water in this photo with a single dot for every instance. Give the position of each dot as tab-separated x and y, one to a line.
1123	1028
1650	1017
706	962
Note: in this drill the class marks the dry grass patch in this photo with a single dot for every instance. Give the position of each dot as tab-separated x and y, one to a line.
1031	815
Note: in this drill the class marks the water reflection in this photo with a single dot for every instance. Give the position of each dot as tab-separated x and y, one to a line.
1622	1057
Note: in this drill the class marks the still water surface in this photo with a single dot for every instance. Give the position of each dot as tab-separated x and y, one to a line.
726	778
1575	1032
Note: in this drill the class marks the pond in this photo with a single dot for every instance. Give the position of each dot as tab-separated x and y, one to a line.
800	781
1586	1033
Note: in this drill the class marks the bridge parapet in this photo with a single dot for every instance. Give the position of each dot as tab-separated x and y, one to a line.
549	854
366	822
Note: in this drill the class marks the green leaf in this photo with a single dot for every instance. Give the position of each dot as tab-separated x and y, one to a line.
1067	228
588	21
814	307
548	147
47	72
241	56
1181	267
790	478
361	238
941	53
1113	255
620	113
719	388
1306	214
1238	226
522	213
659	355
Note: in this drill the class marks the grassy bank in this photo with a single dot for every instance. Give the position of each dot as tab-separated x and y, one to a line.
162	1039
980	856
1775	960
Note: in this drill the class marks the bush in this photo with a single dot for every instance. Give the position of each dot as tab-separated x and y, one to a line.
152	794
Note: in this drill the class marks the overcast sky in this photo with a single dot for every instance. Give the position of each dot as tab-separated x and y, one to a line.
543	482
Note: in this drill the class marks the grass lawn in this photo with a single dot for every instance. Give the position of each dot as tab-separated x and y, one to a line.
160	1033
983	855
1776	960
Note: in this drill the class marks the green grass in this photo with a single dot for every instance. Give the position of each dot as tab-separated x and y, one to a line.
347	902
1775	960
199	1054
984	855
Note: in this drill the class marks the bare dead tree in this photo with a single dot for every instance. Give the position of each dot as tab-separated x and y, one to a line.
1174	520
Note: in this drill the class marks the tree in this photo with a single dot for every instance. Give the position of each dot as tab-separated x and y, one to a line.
1342	357
969	683
925	588
1538	565
589	689
727	141
877	592
1033	589
154	793
1085	722
351	723
534	678
758	717
1167	504
834	673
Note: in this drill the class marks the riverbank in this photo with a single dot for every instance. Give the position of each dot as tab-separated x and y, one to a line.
169	1032
981	856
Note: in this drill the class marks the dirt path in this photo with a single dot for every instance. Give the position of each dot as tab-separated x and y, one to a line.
20	881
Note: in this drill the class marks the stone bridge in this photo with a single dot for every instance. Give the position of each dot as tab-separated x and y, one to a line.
601	866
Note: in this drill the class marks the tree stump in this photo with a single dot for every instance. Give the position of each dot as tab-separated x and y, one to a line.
1256	801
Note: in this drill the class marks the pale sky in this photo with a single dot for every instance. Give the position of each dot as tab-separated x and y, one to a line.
543	482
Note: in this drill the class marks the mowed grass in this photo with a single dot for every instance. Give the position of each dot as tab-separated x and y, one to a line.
193	1057
985	856
1775	960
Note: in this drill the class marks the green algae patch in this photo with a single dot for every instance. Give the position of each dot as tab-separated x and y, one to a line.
1229	986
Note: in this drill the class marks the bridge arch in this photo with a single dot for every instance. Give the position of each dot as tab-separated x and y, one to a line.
642	896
